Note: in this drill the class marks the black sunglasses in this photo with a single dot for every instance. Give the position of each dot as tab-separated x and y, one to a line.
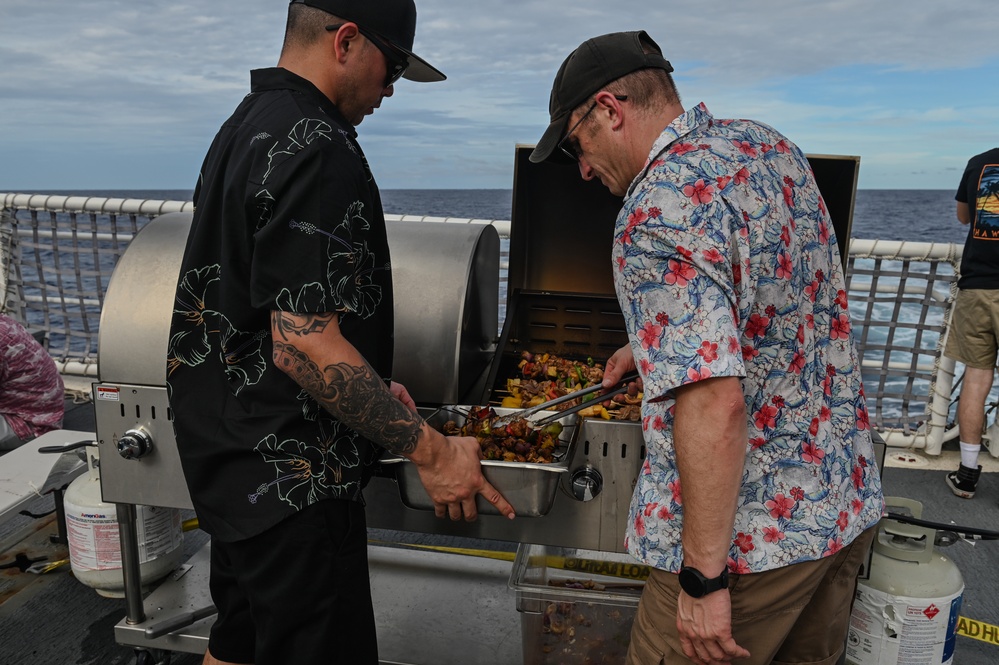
570	148
396	62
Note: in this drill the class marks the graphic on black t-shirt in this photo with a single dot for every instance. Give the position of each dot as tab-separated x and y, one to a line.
987	204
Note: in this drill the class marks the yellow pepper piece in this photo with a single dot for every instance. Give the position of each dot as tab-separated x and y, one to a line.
511	403
595	411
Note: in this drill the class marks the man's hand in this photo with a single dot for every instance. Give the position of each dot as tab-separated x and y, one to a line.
619	364
400	393
705	628
452	476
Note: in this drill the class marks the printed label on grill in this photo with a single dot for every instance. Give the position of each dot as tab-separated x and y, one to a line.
108	394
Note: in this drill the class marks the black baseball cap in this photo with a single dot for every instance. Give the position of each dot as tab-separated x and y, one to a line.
590	67
392	20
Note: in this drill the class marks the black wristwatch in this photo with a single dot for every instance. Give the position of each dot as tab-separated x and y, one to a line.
696	585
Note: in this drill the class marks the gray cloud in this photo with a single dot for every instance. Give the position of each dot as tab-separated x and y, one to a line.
153	81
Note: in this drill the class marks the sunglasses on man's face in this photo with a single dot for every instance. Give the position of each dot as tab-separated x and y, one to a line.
570	146
396	62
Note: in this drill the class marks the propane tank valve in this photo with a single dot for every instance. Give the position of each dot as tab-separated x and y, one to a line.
135	444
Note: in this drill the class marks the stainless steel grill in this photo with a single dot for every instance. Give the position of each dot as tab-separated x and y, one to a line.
560	299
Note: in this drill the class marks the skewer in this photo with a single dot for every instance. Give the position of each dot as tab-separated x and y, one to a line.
544	406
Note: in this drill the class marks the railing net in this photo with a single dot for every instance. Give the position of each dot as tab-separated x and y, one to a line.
61	251
60	254
900	300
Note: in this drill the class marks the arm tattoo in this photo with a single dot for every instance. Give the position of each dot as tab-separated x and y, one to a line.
300	324
356	396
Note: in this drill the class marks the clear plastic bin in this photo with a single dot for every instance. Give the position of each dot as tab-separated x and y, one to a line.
576	606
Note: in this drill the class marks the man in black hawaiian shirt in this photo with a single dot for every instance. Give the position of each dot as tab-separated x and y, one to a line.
281	346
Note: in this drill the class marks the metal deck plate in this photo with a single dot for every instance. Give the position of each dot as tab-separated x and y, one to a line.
185	590
430	607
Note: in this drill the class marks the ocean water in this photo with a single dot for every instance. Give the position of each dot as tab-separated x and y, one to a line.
883	214
902	215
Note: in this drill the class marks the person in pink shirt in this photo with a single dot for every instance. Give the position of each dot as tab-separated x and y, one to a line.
31	389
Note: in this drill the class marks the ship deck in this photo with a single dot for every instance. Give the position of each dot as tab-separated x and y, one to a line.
52	618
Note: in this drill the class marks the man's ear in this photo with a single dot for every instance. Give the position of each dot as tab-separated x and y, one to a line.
343	39
610	105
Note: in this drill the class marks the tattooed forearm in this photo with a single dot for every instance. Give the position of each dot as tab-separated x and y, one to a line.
299	324
297	365
356	396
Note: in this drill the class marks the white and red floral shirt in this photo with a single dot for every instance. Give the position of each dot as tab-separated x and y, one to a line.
726	264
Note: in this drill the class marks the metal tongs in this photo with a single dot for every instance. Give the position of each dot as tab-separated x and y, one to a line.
620	387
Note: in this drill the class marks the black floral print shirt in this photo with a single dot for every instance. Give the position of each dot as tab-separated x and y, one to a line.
288	218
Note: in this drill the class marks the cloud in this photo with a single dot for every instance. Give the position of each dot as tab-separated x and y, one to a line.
153	81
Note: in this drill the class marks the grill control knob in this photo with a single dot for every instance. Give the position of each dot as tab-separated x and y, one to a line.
135	443
586	483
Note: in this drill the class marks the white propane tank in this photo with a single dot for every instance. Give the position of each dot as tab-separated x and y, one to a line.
906	613
92	531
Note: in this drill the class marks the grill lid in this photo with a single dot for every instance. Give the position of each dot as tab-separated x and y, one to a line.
562	226
560	231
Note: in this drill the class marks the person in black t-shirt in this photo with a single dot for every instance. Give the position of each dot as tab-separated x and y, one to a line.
974	332
280	352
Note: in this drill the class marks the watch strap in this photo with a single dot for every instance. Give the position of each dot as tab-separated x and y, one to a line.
696	585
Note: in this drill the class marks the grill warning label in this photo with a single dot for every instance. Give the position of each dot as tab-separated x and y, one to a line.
108	394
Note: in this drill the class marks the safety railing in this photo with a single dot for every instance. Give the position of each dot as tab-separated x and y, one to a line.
900	296
58	252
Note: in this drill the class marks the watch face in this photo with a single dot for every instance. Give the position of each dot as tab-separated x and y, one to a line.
692	582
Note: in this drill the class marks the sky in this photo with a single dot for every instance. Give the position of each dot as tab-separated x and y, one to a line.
109	94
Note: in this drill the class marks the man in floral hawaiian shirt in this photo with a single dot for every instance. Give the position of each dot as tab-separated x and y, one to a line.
281	345
757	497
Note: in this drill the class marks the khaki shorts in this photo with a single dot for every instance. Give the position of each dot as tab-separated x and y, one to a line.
974	328
794	615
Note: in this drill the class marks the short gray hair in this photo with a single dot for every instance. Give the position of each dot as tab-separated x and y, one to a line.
646	88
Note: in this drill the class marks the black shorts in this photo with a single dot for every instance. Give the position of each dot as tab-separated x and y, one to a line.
297	593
